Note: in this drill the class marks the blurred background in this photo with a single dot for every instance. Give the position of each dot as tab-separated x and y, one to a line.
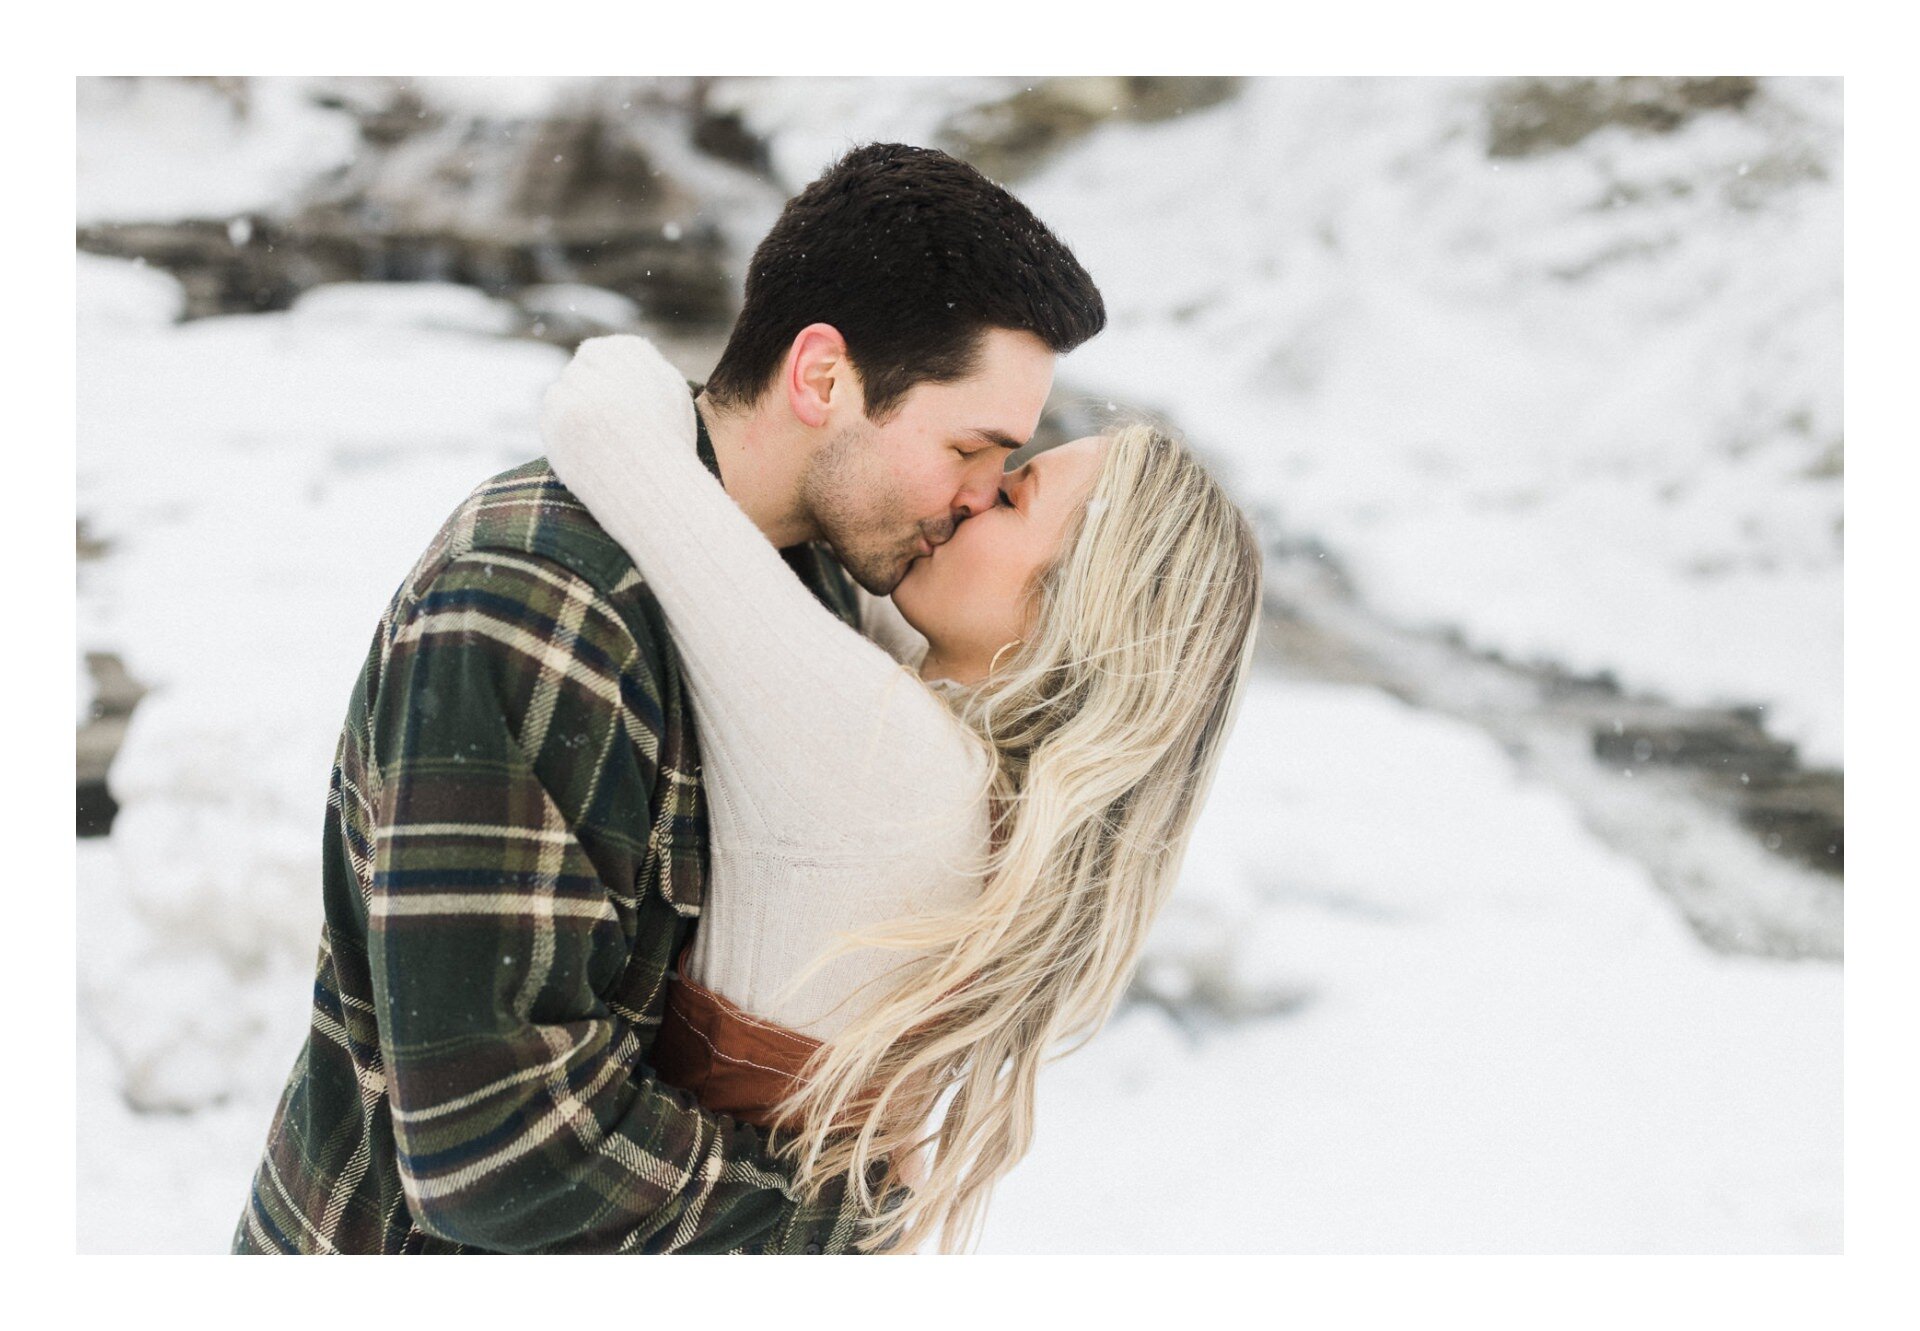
1514	921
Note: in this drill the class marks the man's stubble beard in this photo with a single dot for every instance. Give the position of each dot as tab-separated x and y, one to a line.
857	511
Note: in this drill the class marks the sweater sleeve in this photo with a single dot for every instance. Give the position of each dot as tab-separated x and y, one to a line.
832	736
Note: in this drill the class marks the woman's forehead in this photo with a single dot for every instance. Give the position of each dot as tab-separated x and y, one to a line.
1092	445
1074	455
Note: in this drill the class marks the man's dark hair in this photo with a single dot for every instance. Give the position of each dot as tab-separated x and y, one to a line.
912	254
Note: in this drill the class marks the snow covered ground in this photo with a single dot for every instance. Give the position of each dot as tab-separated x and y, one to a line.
1500	1037
1492	1035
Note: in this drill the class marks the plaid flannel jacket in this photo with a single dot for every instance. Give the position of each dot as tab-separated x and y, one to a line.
514	854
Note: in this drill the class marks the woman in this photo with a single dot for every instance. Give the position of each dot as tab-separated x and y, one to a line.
933	863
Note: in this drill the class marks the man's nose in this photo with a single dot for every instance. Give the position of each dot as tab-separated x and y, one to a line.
981	493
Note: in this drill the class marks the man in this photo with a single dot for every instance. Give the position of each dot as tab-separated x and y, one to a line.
515	844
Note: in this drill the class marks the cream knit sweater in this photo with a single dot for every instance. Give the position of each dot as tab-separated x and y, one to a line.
841	791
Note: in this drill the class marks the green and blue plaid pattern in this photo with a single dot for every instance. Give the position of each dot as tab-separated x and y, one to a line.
515	851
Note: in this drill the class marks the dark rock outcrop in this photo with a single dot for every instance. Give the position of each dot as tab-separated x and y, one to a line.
1529	116
1007	139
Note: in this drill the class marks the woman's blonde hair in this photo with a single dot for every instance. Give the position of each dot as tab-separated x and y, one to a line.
1104	725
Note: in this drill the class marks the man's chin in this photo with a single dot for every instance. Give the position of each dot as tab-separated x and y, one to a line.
879	578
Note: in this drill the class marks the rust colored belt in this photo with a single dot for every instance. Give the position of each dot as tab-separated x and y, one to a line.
729	1060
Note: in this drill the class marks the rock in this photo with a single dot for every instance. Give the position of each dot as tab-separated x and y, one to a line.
1009	138
1792	810
115	694
1531	116
217	274
724	135
1721	743
1800	814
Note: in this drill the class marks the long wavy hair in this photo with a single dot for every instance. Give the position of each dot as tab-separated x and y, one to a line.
1104	726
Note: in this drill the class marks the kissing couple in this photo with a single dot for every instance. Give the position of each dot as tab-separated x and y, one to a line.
739	804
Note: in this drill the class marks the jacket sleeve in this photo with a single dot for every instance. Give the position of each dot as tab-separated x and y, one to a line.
500	909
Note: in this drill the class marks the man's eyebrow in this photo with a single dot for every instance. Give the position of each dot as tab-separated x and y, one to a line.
997	437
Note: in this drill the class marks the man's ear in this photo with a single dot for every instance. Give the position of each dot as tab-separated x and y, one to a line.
820	380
